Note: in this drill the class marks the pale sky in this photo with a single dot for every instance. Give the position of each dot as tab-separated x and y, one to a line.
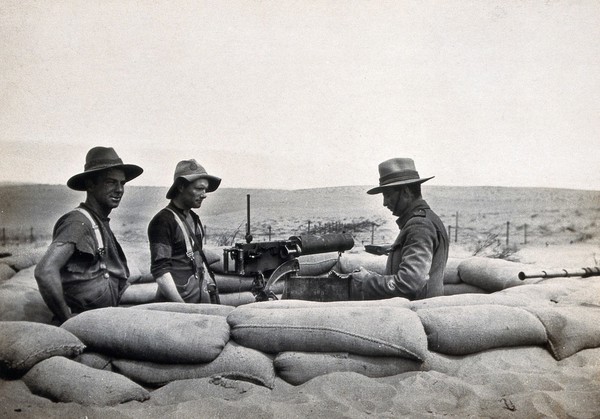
303	94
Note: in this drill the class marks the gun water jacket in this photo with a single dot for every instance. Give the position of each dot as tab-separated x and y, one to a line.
416	262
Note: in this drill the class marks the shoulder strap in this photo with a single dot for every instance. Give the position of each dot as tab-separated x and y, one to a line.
96	228
185	229
189	249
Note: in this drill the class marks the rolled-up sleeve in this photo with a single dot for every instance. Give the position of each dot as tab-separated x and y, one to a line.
160	232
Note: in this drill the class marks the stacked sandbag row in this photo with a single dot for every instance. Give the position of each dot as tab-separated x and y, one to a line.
41	355
158	343
308	339
568	311
20	299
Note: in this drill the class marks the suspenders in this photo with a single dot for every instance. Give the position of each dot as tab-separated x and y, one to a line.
189	251
101	251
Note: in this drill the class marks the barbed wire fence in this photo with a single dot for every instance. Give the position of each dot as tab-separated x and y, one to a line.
462	230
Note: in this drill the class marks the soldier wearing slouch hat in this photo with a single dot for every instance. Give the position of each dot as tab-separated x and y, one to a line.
417	258
85	267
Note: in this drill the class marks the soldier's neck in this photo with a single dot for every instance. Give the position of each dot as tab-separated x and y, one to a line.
179	205
101	210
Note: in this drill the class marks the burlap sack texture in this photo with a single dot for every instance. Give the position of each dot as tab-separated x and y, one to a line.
20	299
570	328
95	360
234	362
513	299
299	367
492	274
6	272
286	304
150	335
209	309
25	258
398	331
463	330
462	288
24	344
64	380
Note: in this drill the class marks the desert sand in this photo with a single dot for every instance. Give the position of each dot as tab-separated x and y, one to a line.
502	382
516	382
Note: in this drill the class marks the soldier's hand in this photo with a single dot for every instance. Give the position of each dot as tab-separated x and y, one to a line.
359	274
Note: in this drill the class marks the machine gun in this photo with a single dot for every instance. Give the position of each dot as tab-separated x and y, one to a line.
268	262
562	273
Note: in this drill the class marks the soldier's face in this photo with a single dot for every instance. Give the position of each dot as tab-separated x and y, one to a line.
193	194
396	200
108	188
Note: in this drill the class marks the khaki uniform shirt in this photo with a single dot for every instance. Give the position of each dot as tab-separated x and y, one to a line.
416	262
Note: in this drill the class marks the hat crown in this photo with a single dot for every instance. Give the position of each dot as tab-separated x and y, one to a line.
101	157
188	168
398	169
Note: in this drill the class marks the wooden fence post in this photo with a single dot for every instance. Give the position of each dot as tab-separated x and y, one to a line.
507	232
456	229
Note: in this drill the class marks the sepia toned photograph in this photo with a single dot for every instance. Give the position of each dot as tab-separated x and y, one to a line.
309	208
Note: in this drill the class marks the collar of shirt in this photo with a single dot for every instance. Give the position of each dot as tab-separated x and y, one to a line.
417	205
91	210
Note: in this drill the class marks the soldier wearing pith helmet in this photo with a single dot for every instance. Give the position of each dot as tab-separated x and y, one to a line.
417	258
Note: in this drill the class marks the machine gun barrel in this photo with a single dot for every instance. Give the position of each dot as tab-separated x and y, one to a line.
562	273
311	244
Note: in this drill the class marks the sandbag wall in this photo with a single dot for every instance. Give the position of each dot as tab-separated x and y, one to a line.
139	348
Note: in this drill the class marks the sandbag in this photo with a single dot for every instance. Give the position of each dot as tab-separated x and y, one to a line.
26	278
6	272
548	290
139	293
64	380
299	367
210	309
373	331
492	274
23	344
350	261
24	258
315	265
285	304
469	329
451	275
570	328
237	299
22	303
589	294
151	335
497	298
462	288
95	360
234	362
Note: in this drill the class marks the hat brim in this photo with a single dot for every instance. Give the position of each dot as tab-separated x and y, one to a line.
77	182
213	183
380	189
